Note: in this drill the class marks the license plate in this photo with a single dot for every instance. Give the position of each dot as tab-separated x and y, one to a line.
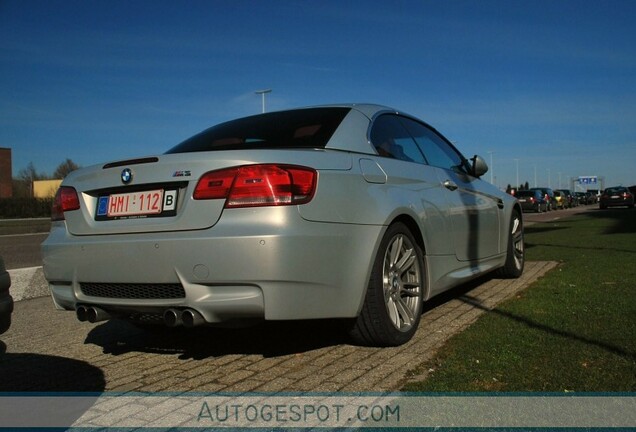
615	196
522	200
150	203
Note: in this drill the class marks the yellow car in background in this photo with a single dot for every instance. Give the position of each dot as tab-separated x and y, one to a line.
561	200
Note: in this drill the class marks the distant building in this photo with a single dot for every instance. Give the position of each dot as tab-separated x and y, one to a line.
45	188
6	173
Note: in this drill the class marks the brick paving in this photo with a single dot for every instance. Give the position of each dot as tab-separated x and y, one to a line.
49	350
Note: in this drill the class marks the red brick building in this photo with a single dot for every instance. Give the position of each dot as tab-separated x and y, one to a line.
6	187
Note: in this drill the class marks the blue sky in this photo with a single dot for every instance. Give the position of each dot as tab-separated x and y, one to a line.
550	83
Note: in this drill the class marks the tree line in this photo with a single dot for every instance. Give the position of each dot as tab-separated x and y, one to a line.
521	187
23	182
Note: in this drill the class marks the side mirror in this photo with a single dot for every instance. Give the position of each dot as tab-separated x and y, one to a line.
479	166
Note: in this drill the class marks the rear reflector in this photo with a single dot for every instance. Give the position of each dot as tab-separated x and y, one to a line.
66	199
258	185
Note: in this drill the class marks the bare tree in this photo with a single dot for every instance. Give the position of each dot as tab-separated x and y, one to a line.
23	183
64	169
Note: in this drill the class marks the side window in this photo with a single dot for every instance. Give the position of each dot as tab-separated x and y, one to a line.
391	139
436	150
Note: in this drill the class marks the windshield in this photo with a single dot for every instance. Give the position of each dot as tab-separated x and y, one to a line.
302	128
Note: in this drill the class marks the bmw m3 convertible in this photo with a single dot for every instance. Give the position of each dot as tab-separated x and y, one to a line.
358	212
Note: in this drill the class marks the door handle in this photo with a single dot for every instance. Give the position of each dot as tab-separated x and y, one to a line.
450	185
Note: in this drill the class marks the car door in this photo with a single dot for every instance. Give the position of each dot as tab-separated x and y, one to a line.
409	182
473	208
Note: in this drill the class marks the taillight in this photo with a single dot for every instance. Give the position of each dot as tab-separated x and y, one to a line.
66	199
258	185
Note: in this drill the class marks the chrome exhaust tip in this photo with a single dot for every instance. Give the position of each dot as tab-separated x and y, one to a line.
82	313
172	317
192	318
95	314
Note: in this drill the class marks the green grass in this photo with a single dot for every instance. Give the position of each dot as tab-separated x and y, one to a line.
572	330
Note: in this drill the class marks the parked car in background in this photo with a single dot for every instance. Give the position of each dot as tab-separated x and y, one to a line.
570	199
584	198
560	199
549	197
595	194
358	212
532	200
617	196
6	301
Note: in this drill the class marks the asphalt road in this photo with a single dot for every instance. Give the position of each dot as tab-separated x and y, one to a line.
21	250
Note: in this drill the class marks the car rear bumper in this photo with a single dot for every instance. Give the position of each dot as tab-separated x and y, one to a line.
529	206
617	203
267	263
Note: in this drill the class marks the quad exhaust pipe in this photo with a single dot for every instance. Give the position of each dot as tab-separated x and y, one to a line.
187	318
171	317
91	314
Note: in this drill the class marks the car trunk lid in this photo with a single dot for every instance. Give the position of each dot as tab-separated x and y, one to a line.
154	194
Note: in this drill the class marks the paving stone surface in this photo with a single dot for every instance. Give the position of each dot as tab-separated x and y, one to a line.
49	350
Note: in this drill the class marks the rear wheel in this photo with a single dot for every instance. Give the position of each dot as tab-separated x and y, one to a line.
515	258
393	303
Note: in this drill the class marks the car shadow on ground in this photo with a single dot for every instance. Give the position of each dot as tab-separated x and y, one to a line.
25	372
624	219
269	339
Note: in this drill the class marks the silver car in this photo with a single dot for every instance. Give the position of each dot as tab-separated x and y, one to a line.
358	212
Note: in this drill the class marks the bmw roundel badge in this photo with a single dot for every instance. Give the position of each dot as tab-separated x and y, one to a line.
126	176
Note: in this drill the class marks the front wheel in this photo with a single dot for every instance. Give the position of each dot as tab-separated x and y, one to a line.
515	257
393	303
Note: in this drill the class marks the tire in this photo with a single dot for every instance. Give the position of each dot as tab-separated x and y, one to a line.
392	306
515	256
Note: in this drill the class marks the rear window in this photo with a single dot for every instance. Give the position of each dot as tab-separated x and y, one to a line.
302	128
525	193
615	190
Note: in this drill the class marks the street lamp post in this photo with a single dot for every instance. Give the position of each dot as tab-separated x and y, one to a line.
492	169
517	164
263	93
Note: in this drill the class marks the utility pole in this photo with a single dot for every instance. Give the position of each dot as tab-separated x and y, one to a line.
263	93
492	169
